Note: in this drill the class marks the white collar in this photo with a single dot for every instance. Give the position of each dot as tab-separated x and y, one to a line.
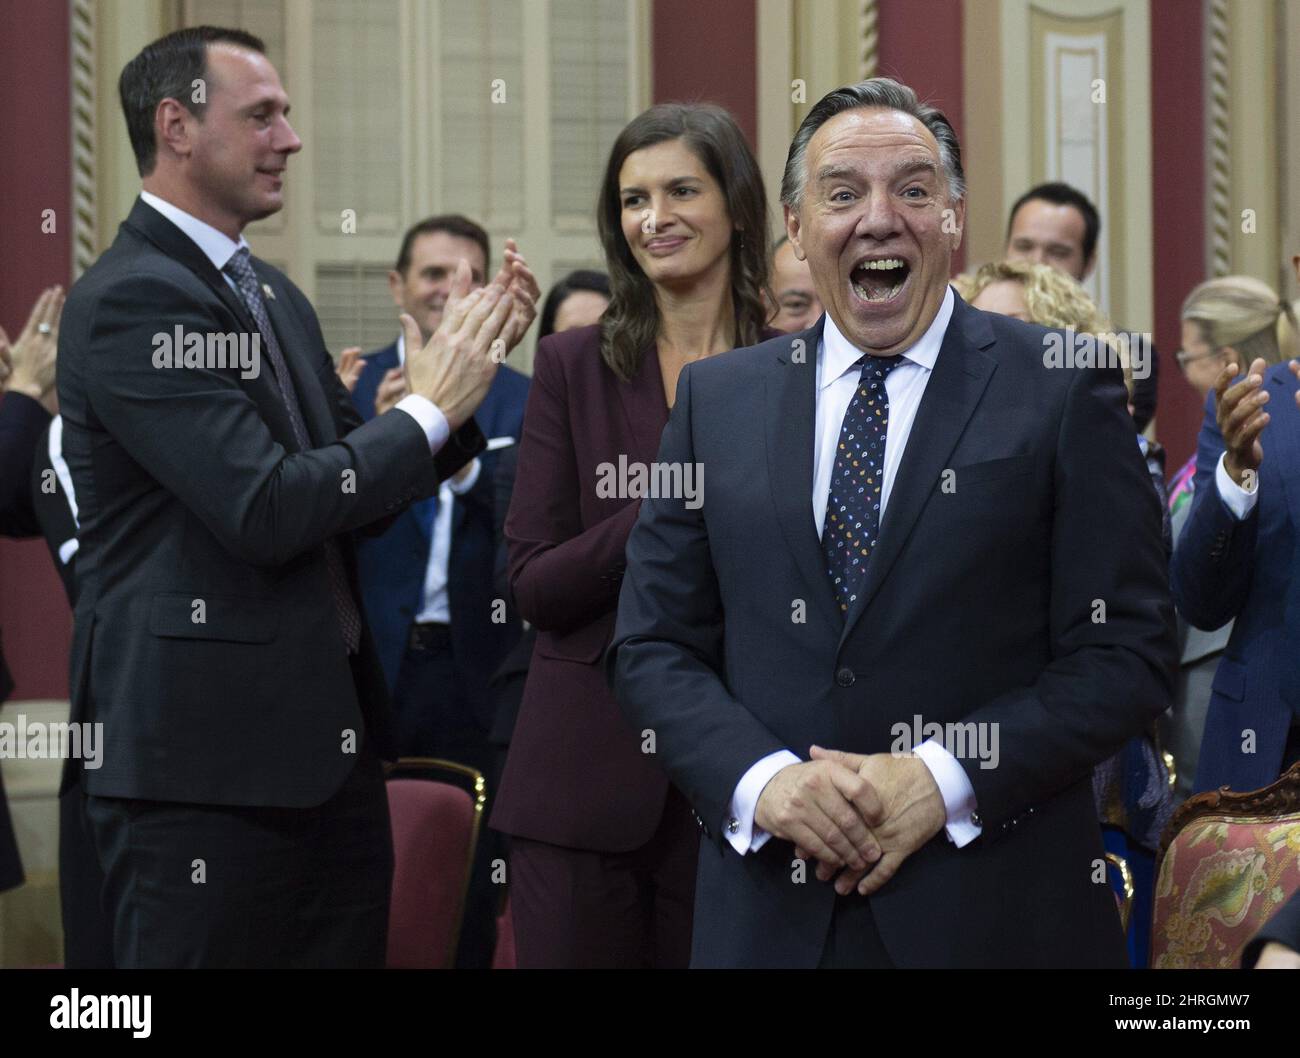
839	354
217	246
401	349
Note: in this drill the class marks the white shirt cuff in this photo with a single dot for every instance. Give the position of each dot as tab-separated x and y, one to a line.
955	789
1238	500
742	834
429	416
466	483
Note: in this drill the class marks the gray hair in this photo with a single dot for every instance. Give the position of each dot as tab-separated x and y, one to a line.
876	92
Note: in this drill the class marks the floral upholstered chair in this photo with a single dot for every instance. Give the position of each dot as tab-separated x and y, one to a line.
1227	862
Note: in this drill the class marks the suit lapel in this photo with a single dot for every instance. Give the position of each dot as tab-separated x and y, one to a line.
321	427
1282	438
160	231
644	406
790	422
170	240
961	374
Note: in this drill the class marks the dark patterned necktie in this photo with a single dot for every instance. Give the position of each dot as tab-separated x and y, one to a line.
853	503
240	269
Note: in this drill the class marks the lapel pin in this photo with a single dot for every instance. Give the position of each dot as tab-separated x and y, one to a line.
266	289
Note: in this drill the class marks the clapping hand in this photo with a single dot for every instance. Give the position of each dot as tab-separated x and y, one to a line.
350	366
456	366
1239	411
28	365
516	277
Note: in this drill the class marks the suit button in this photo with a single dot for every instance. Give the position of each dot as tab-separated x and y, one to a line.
977	819
845	677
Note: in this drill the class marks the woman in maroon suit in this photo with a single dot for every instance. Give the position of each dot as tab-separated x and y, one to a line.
602	864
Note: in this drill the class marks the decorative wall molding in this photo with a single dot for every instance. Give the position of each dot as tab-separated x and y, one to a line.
84	198
1218	138
868	37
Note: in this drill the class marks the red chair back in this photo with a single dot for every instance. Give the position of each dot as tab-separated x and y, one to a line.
435	829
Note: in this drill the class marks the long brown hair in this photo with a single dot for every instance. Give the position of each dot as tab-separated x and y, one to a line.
631	322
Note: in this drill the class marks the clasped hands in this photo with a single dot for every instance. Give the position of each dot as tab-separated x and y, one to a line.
859	816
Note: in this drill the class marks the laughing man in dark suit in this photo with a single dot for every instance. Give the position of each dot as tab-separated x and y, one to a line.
909	519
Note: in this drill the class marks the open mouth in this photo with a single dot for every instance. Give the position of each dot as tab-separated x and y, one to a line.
881	280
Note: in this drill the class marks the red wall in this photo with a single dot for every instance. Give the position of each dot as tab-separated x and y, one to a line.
708	53
1178	200
35	175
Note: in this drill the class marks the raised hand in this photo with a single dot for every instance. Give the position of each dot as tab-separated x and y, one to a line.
350	366
392	388
31	359
516	277
457	365
819	805
907	812
1238	409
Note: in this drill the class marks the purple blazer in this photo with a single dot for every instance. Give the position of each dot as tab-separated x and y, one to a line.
576	775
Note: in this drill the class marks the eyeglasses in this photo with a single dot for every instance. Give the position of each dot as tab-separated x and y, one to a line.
1184	357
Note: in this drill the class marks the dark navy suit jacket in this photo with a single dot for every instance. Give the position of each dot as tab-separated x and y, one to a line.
978	608
392	565
1224	569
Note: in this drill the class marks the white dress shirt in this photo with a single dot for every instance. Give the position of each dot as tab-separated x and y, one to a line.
837	380
1238	500
434	606
219	248
54	446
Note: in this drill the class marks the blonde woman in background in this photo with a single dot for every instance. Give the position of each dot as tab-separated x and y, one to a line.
1132	790
1231	318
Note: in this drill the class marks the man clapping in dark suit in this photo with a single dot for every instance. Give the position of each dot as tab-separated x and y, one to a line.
911	524
239	813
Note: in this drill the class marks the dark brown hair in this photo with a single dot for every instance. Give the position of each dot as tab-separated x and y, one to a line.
448	224
631	322
167	69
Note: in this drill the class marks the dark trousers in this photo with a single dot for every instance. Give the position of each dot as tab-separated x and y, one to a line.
435	718
853	942
190	885
579	909
87	931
